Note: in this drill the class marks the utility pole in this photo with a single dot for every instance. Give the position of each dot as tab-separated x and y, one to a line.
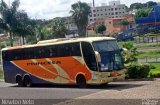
93	4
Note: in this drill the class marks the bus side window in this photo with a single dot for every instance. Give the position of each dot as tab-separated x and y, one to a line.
75	49
89	56
54	51
9	55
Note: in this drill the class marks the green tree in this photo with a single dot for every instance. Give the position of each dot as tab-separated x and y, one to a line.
148	4
124	22
8	19
136	6
41	32
100	28
59	29
80	12
130	54
23	26
142	12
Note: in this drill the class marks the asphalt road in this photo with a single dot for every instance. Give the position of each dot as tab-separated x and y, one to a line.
115	93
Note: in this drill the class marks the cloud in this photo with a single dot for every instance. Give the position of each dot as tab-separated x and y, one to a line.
48	9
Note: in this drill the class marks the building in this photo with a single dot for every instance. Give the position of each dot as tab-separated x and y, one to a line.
113	10
113	24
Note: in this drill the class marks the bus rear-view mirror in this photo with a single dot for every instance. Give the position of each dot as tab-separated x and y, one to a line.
98	56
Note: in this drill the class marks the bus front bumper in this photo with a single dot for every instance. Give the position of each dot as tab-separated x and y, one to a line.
107	80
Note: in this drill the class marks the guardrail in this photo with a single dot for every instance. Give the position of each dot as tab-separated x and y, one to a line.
147	60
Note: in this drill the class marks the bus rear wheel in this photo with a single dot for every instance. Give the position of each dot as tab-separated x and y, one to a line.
19	81
81	81
27	81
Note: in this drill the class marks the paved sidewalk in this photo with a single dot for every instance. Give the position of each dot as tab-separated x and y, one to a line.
127	96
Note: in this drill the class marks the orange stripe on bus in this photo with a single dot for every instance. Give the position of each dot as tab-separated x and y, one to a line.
34	69
48	66
72	67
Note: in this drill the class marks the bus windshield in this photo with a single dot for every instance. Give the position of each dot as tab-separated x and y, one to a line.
111	58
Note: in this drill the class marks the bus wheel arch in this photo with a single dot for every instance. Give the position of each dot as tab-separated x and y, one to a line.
19	80
81	81
27	81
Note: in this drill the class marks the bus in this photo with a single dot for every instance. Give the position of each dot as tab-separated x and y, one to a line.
81	61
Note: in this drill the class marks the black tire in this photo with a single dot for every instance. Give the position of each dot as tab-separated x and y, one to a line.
19	81
104	84
81	81
27	81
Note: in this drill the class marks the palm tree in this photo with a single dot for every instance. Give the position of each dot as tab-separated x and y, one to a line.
40	31
59	29
80	12
8	17
23	26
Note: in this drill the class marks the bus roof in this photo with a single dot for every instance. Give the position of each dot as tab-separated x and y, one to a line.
71	40
61	41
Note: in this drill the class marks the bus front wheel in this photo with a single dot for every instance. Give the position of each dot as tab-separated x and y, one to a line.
27	81
81	81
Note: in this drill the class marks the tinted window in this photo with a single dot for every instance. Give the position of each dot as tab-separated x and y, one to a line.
89	55
72	49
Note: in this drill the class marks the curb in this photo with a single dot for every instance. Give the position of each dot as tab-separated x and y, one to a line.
1	80
143	79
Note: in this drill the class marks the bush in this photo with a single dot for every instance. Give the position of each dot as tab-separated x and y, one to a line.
152	66
154	75
136	70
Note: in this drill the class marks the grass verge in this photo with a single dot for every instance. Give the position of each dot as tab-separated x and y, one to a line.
148	46
150	54
155	70
1	74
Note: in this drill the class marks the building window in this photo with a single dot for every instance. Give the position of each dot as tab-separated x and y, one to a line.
94	18
109	22
116	13
90	15
94	10
119	12
106	14
105	9
115	8
112	13
90	19
109	13
97	10
94	15
111	9
97	14
119	8
101	14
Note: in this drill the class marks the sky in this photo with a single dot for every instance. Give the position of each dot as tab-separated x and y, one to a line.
49	9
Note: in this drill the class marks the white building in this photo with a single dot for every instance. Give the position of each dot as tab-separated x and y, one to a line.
113	10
